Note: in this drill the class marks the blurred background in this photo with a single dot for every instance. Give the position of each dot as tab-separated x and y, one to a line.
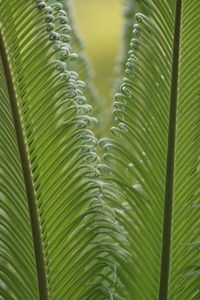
100	24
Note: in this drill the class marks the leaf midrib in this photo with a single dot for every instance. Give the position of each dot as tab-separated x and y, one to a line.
28	181
169	183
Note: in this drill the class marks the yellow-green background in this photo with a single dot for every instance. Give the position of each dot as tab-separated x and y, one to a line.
100	25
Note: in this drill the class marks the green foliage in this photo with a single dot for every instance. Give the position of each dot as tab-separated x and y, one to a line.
154	158
55	227
74	226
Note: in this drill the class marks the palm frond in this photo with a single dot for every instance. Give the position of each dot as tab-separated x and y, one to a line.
59	237
153	178
55	227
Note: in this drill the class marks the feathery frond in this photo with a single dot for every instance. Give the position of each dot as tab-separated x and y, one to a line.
55	228
76	227
155	154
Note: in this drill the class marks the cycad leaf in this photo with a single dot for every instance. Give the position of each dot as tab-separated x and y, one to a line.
156	158
55	227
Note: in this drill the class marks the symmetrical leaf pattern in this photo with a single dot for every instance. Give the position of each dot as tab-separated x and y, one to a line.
77	227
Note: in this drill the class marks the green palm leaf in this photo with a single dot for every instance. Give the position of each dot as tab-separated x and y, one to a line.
59	239
55	226
154	159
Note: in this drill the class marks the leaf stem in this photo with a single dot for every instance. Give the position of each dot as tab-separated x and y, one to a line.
169	184
28	180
